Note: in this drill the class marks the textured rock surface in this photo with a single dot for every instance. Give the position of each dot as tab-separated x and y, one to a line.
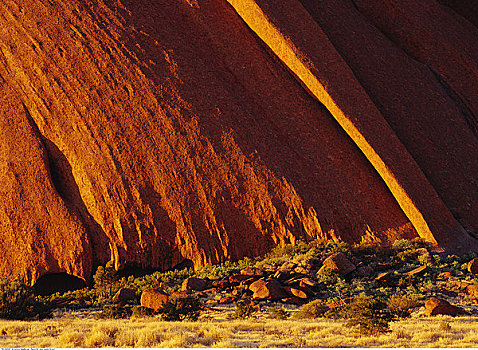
150	132
153	299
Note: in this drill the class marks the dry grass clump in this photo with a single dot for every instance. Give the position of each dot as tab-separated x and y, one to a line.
214	332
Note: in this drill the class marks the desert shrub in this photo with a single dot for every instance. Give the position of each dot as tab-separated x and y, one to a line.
328	277
370	314
314	309
18	302
279	313
402	305
181	307
444	326
243	310
106	279
141	311
114	311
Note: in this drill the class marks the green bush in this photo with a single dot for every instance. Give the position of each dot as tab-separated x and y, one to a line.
243	310
114	311
314	309
370	314
402	305
181	307
279	313
18	302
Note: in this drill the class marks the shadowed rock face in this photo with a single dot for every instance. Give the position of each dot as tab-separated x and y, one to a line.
150	132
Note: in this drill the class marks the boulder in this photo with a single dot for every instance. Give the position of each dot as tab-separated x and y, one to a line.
237	279
124	295
365	271
435	306
473	266
271	290
153	299
418	271
296	292
288	266
308	282
194	284
338	262
256	285
222	283
252	271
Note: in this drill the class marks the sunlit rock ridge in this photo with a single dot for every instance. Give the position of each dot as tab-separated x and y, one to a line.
148	132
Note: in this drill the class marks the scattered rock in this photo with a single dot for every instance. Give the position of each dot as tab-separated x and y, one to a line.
256	285
268	267
252	271
472	290
293	301
417	271
365	271
222	283
287	266
237	279
473	266
295	292
384	266
308	282
435	306
227	300
272	290
211	302
153	299
338	262
194	284
460	284
124	295
445	275
385	278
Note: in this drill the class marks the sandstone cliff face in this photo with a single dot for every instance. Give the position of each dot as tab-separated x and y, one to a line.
149	132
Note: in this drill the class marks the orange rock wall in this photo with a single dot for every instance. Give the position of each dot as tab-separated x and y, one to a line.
149	132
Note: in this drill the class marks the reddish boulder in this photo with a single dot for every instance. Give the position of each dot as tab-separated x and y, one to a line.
338	262
194	284
296	292
435	306
417	271
153	299
473	266
256	285
271	290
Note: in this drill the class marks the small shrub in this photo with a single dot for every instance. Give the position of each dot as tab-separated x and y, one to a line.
402	305
114	311
141	311
314	309
180	307
370	314
17	302
279	313
243	310
445	326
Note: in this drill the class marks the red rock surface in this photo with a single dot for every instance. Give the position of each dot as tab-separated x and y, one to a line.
149	132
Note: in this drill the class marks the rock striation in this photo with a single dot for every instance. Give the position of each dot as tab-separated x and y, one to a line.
150	132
